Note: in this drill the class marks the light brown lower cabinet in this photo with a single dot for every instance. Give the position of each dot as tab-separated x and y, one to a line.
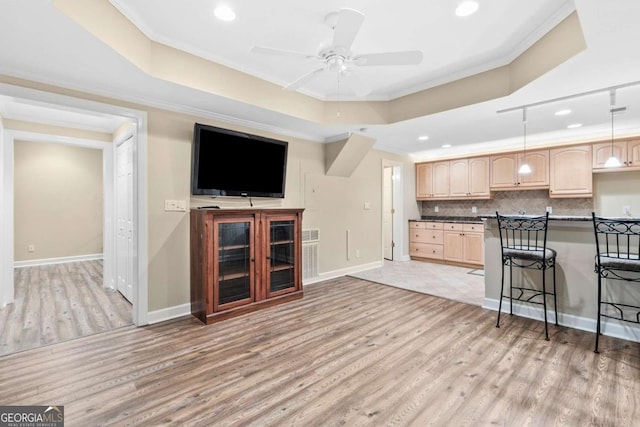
458	243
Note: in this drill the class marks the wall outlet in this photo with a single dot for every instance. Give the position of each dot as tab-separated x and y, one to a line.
357	253
31	248
549	209
436	209
175	205
626	210
474	209
367	206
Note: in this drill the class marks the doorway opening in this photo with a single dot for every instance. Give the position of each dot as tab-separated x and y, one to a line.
119	267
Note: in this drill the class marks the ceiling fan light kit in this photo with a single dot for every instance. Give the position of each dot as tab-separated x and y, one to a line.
338	57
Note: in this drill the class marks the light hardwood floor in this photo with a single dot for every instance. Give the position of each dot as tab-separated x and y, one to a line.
351	352
59	302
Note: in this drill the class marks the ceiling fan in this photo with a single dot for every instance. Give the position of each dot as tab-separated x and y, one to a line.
339	58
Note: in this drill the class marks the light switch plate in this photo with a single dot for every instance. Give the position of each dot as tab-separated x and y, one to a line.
175	205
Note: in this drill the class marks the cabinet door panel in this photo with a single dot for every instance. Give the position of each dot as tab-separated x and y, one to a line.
602	152
503	171
539	163
423	180
281	274
440	179
459	178
571	172
453	246
633	153
234	263
479	177
474	248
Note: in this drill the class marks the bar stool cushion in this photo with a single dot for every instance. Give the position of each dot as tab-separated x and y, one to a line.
532	253
614	261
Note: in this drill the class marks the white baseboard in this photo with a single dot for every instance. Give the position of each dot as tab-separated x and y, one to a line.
61	260
168	313
609	327
343	272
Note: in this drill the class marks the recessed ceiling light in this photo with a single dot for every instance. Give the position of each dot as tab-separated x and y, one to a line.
446	146
563	112
224	13
574	126
423	138
467	8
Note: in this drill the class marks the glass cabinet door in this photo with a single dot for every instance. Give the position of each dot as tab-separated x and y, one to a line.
281	253
234	264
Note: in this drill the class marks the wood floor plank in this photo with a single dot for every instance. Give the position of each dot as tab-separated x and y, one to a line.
350	352
59	302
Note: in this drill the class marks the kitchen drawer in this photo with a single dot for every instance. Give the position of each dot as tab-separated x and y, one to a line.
426	236
453	226
478	228
417	224
426	250
433	225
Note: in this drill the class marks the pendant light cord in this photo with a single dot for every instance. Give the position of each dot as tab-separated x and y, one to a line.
524	121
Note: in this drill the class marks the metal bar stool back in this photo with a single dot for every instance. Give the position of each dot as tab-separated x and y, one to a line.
617	258
523	243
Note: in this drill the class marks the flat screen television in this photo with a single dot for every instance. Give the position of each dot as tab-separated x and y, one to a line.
230	163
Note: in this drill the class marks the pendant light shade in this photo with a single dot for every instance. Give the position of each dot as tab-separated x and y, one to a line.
524	167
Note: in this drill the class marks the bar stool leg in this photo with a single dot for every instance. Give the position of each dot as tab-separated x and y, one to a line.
510	287
544	303
501	295
555	301
598	318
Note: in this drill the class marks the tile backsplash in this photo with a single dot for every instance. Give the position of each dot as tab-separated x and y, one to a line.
533	202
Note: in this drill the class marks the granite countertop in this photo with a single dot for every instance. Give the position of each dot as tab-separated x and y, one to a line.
551	217
480	218
442	218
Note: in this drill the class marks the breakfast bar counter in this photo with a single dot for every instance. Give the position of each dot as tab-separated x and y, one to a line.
573	239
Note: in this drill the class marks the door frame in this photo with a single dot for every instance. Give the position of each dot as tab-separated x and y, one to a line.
397	229
63	102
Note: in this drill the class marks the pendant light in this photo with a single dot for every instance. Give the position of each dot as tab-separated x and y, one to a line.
613	161
524	168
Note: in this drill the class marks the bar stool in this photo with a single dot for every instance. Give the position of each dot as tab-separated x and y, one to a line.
617	258
523	241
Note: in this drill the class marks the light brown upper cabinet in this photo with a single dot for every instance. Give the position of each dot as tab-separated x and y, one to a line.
628	152
469	178
432	180
505	176
571	171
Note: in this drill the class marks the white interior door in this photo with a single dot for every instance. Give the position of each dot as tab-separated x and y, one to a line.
124	219
387	213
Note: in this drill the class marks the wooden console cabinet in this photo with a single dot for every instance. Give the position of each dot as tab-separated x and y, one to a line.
243	260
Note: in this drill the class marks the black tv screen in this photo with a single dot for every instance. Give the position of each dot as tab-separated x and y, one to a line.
230	163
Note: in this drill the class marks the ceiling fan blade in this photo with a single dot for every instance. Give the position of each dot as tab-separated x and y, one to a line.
409	57
281	52
303	79
347	27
